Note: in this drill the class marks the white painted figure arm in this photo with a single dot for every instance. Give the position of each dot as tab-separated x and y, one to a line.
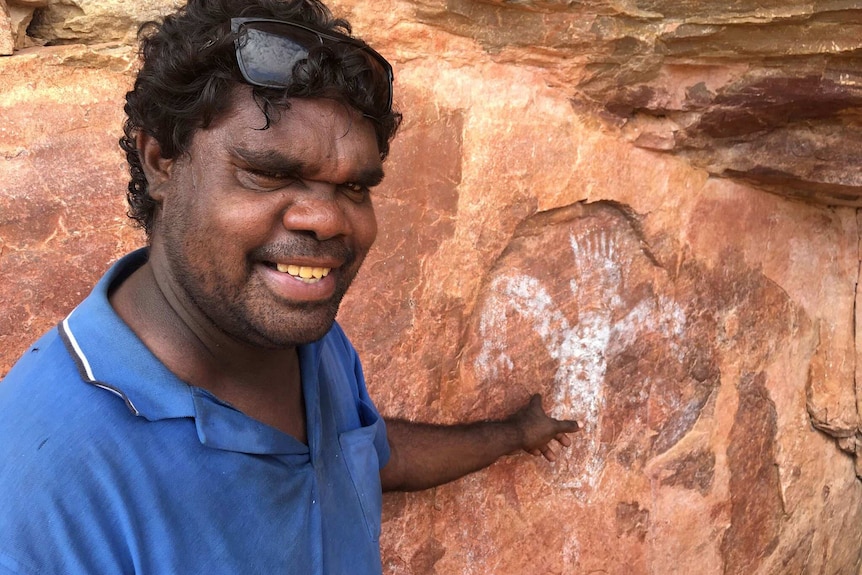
426	455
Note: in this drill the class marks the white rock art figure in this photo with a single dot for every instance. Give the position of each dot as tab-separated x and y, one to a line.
580	348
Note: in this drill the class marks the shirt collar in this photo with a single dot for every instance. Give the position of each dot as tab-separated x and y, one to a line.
110	356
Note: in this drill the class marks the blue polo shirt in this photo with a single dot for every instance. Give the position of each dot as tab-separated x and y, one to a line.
109	464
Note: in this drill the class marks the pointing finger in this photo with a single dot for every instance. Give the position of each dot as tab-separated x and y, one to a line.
568	426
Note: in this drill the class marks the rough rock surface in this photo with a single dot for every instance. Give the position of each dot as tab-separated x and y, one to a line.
61	175
96	21
550	224
7	40
767	92
19	14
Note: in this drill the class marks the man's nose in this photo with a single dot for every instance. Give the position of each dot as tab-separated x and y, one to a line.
318	212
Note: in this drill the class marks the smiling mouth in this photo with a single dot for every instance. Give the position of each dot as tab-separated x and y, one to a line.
304	274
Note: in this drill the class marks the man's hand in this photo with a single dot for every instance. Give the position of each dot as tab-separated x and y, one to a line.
538	430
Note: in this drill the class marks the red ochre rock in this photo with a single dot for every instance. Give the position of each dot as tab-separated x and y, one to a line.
700	329
62	194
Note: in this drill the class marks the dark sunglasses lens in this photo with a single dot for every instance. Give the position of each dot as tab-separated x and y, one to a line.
383	79
268	51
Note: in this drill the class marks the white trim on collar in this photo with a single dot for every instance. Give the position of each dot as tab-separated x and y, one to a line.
84	364
77	348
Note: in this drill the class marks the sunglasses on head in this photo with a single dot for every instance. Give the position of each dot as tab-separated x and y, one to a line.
267	50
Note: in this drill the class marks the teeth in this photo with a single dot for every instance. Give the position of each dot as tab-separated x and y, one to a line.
304	273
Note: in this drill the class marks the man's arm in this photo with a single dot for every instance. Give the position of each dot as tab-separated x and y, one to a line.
425	455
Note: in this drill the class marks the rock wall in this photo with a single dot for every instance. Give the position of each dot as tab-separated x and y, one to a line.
600	202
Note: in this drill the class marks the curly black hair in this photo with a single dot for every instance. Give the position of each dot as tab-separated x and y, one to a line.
189	71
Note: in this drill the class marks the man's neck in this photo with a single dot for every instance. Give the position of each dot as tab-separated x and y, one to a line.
262	383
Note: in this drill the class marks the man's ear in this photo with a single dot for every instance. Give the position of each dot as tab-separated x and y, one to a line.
156	168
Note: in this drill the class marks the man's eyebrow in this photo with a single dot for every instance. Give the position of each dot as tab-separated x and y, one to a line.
273	161
270	161
370	177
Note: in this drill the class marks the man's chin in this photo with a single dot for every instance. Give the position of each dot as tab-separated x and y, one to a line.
294	340
311	325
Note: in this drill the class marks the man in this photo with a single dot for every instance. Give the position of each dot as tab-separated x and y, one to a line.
200	411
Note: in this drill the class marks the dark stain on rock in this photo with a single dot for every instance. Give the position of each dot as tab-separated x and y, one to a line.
775	101
632	520
756	510
427	556
627	100
631	456
694	471
698	95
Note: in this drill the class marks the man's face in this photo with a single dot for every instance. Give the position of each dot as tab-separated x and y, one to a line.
261	231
